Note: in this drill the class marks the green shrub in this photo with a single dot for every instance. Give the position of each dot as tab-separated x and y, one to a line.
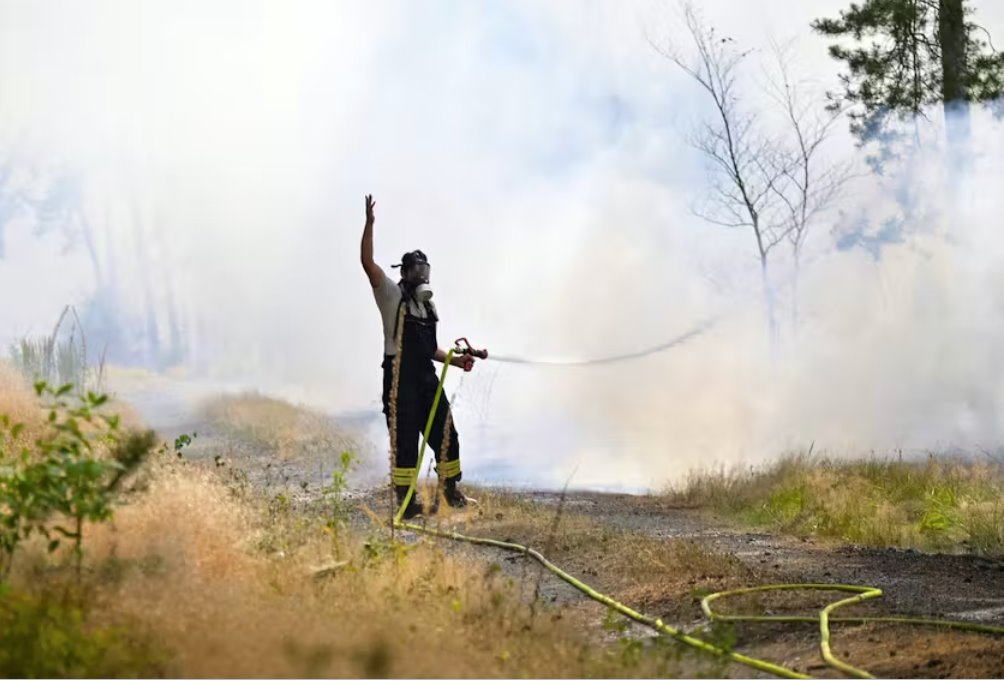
42	639
70	476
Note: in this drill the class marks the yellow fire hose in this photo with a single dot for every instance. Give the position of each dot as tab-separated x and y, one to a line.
823	618
652	622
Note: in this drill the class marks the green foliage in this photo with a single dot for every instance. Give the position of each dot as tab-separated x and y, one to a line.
940	513
182	441
380	546
72	475
933	504
334	503
896	64
40	639
784	505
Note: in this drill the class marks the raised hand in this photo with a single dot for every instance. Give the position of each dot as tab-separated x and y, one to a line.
370	205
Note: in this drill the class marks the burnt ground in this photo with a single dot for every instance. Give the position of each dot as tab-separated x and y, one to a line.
969	588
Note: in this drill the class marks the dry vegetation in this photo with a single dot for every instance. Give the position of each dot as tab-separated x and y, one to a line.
269	427
201	575
941	504
183	564
19	402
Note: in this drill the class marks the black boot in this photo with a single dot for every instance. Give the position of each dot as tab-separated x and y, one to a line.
414	507
454	497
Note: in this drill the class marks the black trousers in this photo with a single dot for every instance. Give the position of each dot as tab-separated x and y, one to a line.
416	392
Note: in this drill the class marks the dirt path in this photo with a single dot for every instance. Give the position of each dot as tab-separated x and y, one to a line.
968	588
915	584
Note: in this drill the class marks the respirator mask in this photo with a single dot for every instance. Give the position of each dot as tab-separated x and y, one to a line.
416	267
423	292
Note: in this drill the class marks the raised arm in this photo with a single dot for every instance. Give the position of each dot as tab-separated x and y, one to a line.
373	271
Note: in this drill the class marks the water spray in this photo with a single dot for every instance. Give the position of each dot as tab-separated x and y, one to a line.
673	342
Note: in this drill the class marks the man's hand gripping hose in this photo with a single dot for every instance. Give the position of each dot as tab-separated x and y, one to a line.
462	346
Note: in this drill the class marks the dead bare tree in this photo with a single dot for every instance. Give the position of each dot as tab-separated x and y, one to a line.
771	182
744	163
809	183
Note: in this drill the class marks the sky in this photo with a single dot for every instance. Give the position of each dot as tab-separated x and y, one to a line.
538	153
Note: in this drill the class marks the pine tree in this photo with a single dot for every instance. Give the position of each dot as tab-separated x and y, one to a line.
918	53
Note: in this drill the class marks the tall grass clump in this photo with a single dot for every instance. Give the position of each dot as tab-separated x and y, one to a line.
933	504
60	358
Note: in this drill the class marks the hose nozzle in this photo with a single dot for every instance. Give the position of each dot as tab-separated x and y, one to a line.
462	346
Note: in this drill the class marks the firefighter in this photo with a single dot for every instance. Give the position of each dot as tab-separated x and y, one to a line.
409	327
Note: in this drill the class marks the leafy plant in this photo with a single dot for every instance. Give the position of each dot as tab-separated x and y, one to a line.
41	639
334	502
72	475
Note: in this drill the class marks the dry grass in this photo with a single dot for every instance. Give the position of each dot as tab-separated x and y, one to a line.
275	428
180	565
944	504
18	402
214	579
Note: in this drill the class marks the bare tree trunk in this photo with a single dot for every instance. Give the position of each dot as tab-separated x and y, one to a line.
952	40
768	292
768	296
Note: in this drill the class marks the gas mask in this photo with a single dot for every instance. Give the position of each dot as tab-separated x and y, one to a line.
415	271
423	292
418	278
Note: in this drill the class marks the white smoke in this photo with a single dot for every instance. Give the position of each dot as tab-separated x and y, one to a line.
537	153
